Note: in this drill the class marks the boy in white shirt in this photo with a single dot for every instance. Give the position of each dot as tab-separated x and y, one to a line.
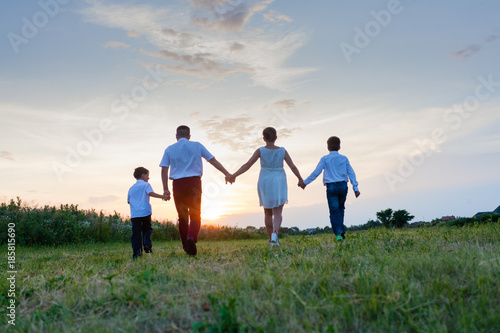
337	172
140	212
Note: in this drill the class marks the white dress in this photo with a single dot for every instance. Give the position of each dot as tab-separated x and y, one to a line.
272	187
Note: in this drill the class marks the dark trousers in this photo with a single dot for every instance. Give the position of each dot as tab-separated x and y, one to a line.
336	194
187	198
141	234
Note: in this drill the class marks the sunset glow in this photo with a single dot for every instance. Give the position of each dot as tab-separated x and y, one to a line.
93	89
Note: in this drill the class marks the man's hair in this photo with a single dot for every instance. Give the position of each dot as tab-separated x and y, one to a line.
183	131
269	134
138	172
333	143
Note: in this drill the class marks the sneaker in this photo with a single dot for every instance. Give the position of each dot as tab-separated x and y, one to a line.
339	238
191	246
274	240
343	235
147	249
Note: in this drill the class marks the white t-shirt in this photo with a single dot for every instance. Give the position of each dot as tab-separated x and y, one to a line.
138	198
184	159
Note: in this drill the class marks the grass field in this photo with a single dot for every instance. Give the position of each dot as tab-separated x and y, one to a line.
419	280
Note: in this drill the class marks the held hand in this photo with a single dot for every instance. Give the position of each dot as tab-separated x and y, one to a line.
357	193
166	195
230	179
301	184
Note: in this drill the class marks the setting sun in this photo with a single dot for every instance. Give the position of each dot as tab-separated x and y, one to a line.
213	212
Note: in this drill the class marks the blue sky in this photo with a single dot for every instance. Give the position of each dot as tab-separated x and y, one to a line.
89	90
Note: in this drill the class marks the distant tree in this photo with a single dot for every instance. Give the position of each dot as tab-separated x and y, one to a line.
385	217
400	218
372	224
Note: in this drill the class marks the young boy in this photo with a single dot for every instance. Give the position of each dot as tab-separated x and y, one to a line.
140	212
337	172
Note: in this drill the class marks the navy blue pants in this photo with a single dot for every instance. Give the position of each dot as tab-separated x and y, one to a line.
141	234
336	194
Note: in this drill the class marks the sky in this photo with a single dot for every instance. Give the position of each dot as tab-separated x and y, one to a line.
90	90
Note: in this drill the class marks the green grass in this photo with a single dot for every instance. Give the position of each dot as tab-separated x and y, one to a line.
420	280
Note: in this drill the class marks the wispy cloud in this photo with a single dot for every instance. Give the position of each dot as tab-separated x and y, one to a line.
466	52
492	38
244	132
273	16
225	46
470	50
103	199
225	15
115	45
7	155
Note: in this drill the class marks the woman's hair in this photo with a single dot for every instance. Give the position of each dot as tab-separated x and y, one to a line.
269	134
138	172
333	143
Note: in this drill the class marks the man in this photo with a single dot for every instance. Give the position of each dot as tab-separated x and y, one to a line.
183	158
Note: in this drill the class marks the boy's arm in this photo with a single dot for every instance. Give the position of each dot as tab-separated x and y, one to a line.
352	178
164	180
160	196
315	173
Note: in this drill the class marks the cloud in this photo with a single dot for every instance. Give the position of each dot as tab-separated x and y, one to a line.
492	38
224	15
180	47
134	34
103	199
235	46
115	45
7	155
239	133
466	52
473	49
244	132
274	16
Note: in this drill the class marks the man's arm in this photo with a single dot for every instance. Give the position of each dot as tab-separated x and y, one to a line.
218	166
164	180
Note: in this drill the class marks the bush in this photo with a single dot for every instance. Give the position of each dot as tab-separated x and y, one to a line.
69	225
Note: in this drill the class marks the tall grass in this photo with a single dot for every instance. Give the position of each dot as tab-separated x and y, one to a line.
67	224
410	280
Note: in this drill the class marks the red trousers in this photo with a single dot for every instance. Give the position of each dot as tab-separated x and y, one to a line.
187	198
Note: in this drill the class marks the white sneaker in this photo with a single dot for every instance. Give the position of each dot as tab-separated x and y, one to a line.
274	240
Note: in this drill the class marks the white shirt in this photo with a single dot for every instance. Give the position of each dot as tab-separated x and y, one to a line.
138	198
337	169
184	157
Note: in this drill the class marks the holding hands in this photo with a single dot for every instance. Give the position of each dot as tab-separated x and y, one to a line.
166	195
301	184
230	179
